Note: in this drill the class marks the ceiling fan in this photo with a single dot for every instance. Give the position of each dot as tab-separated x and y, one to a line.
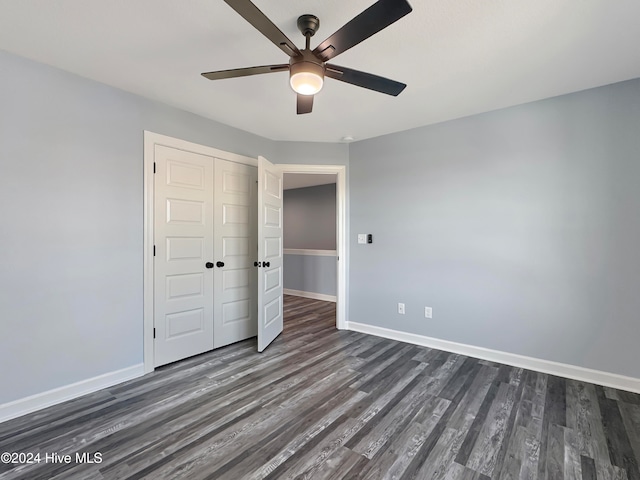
307	68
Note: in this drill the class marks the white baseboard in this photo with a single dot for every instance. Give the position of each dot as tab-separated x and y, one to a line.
42	400
312	295
598	377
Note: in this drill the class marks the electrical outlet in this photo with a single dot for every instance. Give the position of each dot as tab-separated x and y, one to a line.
401	308
428	313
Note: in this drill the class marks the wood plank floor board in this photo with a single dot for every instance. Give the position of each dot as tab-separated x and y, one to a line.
310	458
439	360
480	419
631	419
487	447
201	459
520	453
448	445
414	467
258	398
572	462
458	472
431	411
379	406
235	405
588	467
393	418
289	437
620	450
554	455
292	444
469	367
387	377
338	464
403	449
551	464
325	404
518	409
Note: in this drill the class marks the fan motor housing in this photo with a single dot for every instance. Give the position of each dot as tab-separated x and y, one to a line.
307	62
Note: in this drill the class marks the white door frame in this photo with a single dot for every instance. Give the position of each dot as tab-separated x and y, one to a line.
341	229
150	140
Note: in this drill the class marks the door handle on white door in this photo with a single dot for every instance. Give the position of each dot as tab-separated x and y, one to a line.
267	264
219	264
208	265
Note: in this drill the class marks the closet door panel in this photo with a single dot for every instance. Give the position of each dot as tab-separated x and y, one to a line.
183	238
235	226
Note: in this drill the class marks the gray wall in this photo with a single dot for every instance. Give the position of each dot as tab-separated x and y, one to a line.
519	227
312	153
310	223
71	193
309	273
310	217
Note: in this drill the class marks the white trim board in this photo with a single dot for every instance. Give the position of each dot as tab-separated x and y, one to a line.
598	377
22	406
308	251
311	295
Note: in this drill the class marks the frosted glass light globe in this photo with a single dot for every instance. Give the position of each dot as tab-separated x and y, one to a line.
306	83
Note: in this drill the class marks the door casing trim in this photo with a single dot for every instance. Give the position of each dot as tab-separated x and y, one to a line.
342	253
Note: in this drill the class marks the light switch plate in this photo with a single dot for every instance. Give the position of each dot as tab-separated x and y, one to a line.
362	238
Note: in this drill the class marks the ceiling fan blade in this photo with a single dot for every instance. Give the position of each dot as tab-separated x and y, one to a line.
365	80
305	104
259	20
245	72
378	16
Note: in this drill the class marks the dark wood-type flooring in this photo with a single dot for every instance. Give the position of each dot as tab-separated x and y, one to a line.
326	404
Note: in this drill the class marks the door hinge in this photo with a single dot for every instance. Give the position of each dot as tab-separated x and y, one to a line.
154	333
154	250
154	167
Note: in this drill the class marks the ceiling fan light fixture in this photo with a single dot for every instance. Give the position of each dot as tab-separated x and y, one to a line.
307	68
306	78
306	83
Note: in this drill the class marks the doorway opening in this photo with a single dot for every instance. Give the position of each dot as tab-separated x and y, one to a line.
315	234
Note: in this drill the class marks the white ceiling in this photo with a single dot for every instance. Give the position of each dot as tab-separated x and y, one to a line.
458	57
301	180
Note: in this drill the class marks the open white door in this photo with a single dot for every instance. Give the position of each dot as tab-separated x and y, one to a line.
270	317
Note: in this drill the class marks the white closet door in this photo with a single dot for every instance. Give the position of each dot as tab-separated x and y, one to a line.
183	233
235	302
270	318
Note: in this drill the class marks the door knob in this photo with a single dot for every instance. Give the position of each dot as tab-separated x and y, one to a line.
208	265
219	264
257	264
267	264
